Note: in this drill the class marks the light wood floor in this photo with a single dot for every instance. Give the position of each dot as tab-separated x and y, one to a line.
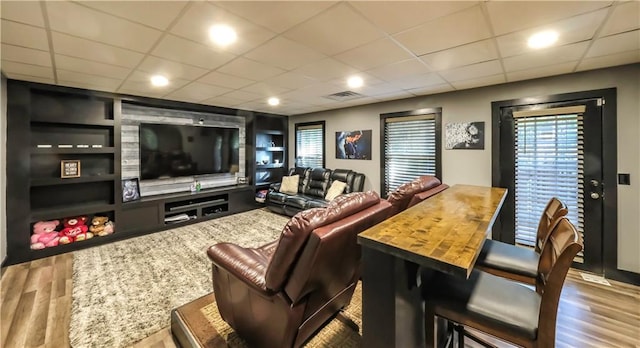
36	308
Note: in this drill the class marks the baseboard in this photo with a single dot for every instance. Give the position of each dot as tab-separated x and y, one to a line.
623	276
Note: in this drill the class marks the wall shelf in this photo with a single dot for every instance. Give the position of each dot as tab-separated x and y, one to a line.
80	209
66	181
273	149
57	150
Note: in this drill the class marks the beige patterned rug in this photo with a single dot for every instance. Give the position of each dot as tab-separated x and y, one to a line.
124	291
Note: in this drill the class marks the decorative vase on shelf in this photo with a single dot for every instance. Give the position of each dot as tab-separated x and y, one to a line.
265	160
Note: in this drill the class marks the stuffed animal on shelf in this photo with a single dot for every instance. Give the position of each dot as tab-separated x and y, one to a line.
101	226
75	230
45	234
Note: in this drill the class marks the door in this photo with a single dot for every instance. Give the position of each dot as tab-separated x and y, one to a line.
554	149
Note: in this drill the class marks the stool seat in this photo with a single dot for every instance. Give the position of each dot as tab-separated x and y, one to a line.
509	258
509	306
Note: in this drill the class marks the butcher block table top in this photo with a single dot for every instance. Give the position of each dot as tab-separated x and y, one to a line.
444	232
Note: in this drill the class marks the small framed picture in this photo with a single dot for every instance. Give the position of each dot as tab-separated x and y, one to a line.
69	169
130	190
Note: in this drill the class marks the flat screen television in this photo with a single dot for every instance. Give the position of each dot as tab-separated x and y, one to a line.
168	150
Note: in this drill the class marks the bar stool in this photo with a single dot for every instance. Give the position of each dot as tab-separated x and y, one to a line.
519	263
504	308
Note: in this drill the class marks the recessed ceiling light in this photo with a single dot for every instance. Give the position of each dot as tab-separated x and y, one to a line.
273	101
222	35
159	80
355	82
543	39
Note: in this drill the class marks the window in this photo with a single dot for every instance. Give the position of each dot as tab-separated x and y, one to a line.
410	146
549	158
310	144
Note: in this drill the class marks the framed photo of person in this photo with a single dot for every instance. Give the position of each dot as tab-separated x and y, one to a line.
130	190
468	135
353	144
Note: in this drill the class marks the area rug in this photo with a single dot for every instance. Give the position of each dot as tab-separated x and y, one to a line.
124	291
336	333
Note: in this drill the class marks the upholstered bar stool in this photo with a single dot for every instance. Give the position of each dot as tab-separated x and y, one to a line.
504	308
519	263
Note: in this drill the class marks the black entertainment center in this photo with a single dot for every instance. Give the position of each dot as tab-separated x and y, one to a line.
48	126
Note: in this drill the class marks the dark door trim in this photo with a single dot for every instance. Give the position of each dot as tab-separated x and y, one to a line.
609	162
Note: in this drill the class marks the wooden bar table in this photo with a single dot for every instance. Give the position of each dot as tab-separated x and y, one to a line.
443	233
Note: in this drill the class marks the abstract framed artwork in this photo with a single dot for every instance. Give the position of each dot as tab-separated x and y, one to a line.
465	135
130	190
353	144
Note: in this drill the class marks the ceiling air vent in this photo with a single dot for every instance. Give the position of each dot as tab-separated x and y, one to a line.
342	96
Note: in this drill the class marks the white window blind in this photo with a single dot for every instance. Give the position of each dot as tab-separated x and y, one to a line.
410	149
549	158
309	146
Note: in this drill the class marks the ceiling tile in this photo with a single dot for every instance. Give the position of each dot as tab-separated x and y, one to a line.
137	92
400	69
393	95
90	24
224	80
29	78
290	80
284	53
625	17
549	56
394	16
249	69
265	89
472	71
336	30
164	12
461	28
25	55
170	69
611	60
28	12
96	82
476	52
85	85
195	23
276	16
416	81
82	48
368	80
445	87
326	69
222	100
314	94
90	67
572	30
243	96
479	82
374	54
184	51
615	44
504	19
139	83
197	91
27	69
24	35
550	70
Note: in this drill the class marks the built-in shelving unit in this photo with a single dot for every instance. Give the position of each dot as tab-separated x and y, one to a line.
270	136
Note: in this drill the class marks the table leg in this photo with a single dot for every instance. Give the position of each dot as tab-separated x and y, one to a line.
392	306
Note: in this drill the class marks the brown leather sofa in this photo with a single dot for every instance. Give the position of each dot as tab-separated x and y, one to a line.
279	294
411	193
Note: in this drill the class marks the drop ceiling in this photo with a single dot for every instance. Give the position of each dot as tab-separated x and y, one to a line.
302	52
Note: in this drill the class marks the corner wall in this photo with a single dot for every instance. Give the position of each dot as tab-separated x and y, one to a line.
474	166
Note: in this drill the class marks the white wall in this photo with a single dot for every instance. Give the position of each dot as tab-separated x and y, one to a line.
474	166
3	168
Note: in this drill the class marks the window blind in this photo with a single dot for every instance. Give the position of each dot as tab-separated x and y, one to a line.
309	146
549	160
409	149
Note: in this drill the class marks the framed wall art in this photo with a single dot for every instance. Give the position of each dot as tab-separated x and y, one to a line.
70	169
130	190
467	135
353	144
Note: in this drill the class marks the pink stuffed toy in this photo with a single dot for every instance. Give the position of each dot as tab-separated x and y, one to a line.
44	234
74	230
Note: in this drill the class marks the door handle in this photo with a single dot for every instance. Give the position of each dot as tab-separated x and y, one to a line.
595	195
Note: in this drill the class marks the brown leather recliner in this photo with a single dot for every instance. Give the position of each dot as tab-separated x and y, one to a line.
414	192
279	294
